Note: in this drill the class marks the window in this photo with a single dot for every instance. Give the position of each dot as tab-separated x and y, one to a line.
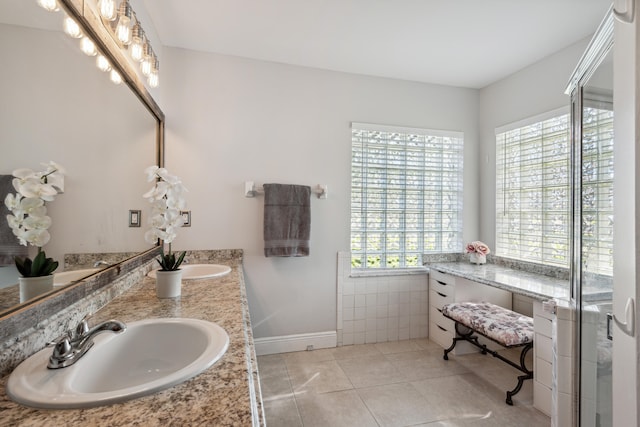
406	194
533	190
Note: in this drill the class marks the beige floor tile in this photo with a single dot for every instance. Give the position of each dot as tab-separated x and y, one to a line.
355	351
397	346
455	398
397	405
276	387
321	355
282	412
430	365
272	365
370	371
427	344
343	408
319	377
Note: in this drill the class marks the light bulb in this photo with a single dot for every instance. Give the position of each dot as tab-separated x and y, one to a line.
123	29
87	46
154	79
49	5
107	9
146	66
72	28
115	77
137	43
103	63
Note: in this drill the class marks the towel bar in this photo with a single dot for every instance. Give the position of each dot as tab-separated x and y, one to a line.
250	190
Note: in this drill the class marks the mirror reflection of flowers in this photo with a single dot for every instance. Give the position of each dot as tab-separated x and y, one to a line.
28	219
477	247
167	200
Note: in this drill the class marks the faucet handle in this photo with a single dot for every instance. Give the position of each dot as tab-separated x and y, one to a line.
61	345
83	326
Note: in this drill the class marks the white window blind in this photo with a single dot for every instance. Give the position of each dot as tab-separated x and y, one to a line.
406	194
533	185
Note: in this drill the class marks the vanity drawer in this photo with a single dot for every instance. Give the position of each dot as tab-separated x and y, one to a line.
443	287
438	299
441	277
436	318
440	335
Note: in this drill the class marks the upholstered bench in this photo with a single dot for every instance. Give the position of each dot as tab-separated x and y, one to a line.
501	325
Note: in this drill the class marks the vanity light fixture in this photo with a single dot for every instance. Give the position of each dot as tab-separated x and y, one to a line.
107	9
71	27
88	47
123	28
103	63
147	63
49	5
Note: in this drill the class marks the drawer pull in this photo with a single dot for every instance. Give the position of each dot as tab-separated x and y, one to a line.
441	328
441	294
442	283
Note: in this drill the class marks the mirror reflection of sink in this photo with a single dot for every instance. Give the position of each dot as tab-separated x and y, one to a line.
66	277
151	355
200	271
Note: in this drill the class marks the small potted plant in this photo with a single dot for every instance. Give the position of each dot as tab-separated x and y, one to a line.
477	252
29	223
166	198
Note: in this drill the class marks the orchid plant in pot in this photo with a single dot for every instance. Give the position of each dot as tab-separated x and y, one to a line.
29	222
167	199
477	252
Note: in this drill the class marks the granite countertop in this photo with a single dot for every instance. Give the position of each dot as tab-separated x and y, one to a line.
226	394
516	281
520	282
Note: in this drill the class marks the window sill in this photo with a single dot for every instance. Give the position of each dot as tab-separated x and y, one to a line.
372	272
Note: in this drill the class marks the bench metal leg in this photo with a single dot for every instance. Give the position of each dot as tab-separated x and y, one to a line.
473	339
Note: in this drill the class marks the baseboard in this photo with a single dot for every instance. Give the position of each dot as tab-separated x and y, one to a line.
300	342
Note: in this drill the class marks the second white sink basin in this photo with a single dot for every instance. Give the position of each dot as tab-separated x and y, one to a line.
151	355
65	277
200	271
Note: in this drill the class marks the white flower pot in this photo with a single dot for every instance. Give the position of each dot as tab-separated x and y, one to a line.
168	283
31	287
476	258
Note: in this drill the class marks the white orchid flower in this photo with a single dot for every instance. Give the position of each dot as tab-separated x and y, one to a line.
32	206
53	168
151	236
24	173
37	237
15	222
151	172
45	192
37	222
12	201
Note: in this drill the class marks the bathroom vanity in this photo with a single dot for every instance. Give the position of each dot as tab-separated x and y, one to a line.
227	393
504	286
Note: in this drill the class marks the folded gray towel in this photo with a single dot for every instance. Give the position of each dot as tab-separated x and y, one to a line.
287	220
9	245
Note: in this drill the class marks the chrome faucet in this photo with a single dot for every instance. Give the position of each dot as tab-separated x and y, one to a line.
70	347
99	263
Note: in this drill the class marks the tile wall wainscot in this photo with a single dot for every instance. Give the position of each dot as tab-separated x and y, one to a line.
228	393
380	306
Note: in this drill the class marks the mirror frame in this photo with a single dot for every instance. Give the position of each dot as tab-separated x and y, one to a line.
23	316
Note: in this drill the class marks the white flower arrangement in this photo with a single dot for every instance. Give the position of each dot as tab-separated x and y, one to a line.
477	247
28	219
167	200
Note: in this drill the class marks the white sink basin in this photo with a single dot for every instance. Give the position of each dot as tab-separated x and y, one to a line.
151	355
200	271
66	277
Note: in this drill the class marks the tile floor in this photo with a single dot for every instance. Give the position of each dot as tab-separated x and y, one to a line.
402	383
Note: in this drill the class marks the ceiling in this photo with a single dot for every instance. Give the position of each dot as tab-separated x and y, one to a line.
466	43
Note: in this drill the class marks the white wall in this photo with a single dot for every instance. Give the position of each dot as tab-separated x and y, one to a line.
230	120
534	90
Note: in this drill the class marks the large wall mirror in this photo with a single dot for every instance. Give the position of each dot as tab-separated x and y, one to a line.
57	105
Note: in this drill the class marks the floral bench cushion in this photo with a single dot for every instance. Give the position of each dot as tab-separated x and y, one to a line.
502	325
